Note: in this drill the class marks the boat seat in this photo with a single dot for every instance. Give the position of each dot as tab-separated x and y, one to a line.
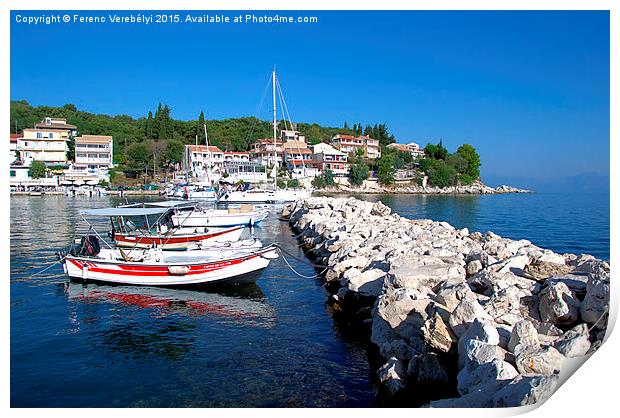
128	258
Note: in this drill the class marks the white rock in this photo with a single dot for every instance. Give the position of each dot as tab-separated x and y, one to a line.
487	373
523	333
574	343
464	314
391	375
525	391
474	353
369	283
558	304
532	361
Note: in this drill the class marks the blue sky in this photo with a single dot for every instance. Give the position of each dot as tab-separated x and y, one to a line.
530	90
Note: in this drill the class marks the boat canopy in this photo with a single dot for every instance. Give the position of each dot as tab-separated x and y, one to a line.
105	212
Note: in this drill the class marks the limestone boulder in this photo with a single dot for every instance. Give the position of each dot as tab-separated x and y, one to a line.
391	376
595	306
525	391
558	304
533	361
485	374
575	342
523	333
464	314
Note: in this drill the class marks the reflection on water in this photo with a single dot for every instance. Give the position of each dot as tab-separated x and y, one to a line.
272	344
243	304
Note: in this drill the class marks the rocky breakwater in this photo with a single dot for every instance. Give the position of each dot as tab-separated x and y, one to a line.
477	319
474	188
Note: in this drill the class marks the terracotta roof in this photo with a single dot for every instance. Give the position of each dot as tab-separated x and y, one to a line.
236	153
269	141
15	137
204	148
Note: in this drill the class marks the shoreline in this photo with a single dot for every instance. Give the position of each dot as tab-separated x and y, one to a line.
477	188
483	320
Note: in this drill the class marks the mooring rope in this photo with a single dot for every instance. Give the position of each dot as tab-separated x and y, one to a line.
49	266
298	273
300	259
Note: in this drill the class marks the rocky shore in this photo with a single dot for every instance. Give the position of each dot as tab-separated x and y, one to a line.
474	319
474	188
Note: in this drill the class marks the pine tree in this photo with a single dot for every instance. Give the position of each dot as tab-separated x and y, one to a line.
346	126
355	129
157	123
200	131
148	131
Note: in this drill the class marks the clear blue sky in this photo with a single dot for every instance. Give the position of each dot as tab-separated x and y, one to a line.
529	89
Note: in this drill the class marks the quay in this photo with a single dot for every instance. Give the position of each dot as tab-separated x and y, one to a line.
458	318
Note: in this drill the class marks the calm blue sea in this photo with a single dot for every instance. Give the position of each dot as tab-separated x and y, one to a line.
273	344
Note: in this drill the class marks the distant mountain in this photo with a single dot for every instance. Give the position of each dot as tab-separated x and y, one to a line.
582	183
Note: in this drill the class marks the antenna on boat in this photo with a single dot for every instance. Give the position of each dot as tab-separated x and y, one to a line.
209	154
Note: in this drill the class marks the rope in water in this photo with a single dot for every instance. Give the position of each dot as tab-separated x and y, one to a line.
49	266
298	273
321	266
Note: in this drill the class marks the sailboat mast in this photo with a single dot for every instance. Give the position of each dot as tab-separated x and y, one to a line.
209	154
275	148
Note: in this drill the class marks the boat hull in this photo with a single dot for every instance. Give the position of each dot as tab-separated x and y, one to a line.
218	218
238	270
178	242
278	196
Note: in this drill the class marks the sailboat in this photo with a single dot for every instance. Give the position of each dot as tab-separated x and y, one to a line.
268	196
203	190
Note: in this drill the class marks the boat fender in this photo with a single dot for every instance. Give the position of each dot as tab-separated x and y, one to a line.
178	270
84	271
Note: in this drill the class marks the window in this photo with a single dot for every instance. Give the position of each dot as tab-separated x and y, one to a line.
39	135
51	135
12	173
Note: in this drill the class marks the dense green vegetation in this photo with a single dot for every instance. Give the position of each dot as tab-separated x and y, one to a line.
358	171
155	142
36	169
324	180
444	169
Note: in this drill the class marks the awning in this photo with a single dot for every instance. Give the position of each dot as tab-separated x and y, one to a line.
105	212
92	182
78	182
66	182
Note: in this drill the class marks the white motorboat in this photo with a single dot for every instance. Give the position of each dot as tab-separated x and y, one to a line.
164	268
201	217
158	234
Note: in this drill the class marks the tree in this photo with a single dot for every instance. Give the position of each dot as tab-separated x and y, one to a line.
346	126
458	162
385	169
138	156
469	154
71	148
440	174
328	175
200	130
70	107
148	130
358	172
37	169
174	152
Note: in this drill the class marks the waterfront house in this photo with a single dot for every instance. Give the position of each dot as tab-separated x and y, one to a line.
350	144
299	161
329	158
198	159
262	152
13	146
412	148
291	135
93	156
47	142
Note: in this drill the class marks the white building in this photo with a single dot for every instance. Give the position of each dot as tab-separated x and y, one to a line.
351	144
329	158
262	152
412	148
93	157
13	146
291	135
199	159
47	142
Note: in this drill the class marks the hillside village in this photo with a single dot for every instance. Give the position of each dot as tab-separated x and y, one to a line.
54	155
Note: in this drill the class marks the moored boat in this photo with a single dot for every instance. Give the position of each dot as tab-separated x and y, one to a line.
164	268
197	217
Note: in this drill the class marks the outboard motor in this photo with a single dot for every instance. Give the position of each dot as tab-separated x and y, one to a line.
88	247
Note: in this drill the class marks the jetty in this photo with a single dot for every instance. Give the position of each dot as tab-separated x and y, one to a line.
486	321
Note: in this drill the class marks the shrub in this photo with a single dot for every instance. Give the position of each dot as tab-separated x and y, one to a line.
319	182
441	174
358	172
37	169
293	183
